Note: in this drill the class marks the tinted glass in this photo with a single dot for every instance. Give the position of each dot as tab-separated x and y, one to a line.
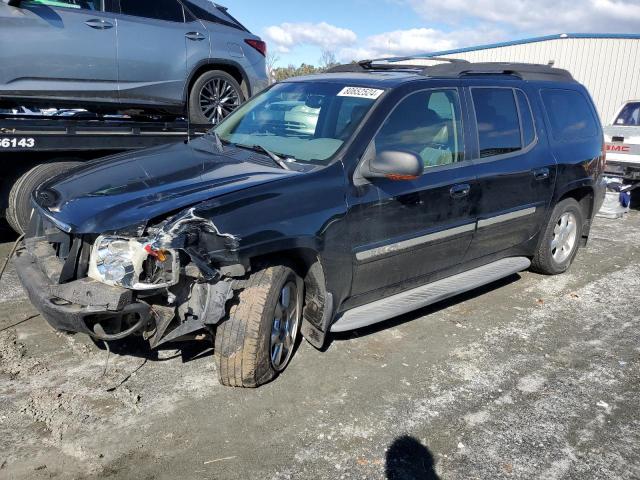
569	114
305	121
211	16
526	119
428	124
630	115
79	4
351	112
169	10
498	122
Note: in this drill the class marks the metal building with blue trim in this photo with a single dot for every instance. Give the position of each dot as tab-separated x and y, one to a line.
608	64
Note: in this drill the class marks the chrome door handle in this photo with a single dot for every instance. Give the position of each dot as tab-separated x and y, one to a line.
460	191
197	36
541	173
99	24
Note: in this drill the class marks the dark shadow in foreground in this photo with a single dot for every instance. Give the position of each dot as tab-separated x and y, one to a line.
408	459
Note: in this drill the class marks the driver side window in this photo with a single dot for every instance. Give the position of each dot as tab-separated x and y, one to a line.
427	123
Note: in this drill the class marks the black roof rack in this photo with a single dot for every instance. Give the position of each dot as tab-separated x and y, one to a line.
525	71
388	64
453	68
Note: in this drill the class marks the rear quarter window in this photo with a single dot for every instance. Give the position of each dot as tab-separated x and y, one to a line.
570	115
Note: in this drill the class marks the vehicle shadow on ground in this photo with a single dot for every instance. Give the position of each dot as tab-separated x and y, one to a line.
6	233
431	309
187	351
408	459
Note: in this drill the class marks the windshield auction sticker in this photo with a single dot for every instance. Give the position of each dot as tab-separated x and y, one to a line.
360	92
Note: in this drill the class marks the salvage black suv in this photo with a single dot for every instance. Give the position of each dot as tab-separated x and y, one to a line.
325	204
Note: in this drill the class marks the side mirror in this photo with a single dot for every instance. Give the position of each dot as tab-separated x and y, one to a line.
394	165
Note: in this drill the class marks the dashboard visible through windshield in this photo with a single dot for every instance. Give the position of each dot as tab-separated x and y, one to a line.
304	121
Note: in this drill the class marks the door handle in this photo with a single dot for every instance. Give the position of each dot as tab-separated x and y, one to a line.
460	191
99	24
541	173
197	36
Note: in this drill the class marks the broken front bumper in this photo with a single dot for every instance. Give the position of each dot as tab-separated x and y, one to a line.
79	306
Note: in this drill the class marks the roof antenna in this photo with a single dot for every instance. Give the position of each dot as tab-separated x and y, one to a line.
551	63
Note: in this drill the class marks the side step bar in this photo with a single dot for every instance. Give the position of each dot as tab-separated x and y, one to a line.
429	294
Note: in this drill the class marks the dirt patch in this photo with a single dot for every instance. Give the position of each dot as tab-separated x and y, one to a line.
537	377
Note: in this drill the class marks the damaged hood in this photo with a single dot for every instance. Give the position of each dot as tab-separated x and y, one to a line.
128	190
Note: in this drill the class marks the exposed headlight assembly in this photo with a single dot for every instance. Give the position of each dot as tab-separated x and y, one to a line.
133	263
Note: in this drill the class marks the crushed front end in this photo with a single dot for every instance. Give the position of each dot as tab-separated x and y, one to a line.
164	283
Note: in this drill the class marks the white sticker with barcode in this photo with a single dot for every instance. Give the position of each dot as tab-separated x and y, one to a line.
361	92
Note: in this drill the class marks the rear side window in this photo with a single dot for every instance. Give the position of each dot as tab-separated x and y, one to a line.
570	115
215	16
497	119
629	116
169	10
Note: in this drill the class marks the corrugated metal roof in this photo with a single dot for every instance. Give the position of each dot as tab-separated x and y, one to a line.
559	36
607	64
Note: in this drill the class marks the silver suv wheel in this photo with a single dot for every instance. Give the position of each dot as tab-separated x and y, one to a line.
286	322
565	235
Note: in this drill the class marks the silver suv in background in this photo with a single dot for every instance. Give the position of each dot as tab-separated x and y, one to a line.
623	142
161	56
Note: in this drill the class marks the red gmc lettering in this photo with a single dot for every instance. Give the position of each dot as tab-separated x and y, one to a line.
618	148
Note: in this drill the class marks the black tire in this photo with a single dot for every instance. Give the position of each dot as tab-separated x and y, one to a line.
544	261
196	114
19	206
243	345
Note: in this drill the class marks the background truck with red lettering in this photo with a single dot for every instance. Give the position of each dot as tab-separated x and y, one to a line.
622	139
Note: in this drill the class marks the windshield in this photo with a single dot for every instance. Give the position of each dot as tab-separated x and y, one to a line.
304	121
630	115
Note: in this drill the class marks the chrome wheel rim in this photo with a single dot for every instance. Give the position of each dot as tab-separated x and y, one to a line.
218	99
564	239
284	329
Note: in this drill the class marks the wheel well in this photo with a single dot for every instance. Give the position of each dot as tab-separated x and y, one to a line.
585	197
307	264
232	70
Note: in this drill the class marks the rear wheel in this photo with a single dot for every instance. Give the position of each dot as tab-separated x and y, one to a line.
213	97
258	339
561	239
19	208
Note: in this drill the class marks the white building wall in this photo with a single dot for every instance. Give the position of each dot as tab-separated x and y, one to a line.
608	67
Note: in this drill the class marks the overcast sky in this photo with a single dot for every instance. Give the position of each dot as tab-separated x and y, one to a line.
355	29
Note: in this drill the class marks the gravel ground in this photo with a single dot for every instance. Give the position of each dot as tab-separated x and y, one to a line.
533	377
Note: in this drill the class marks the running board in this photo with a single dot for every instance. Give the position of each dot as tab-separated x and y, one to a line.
429	294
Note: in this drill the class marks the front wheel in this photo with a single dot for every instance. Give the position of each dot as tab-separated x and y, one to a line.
213	97
561	239
258	339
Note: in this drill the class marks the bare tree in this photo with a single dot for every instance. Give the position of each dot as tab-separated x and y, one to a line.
272	59
328	59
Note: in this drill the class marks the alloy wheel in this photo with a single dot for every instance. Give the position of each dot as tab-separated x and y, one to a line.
218	99
565	235
284	330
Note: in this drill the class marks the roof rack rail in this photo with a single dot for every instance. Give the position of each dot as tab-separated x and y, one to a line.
454	68
525	71
389	64
392	60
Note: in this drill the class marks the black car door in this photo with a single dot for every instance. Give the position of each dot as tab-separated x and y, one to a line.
515	167
407	230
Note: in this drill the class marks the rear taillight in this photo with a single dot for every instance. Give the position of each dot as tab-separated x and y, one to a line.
603	160
259	45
